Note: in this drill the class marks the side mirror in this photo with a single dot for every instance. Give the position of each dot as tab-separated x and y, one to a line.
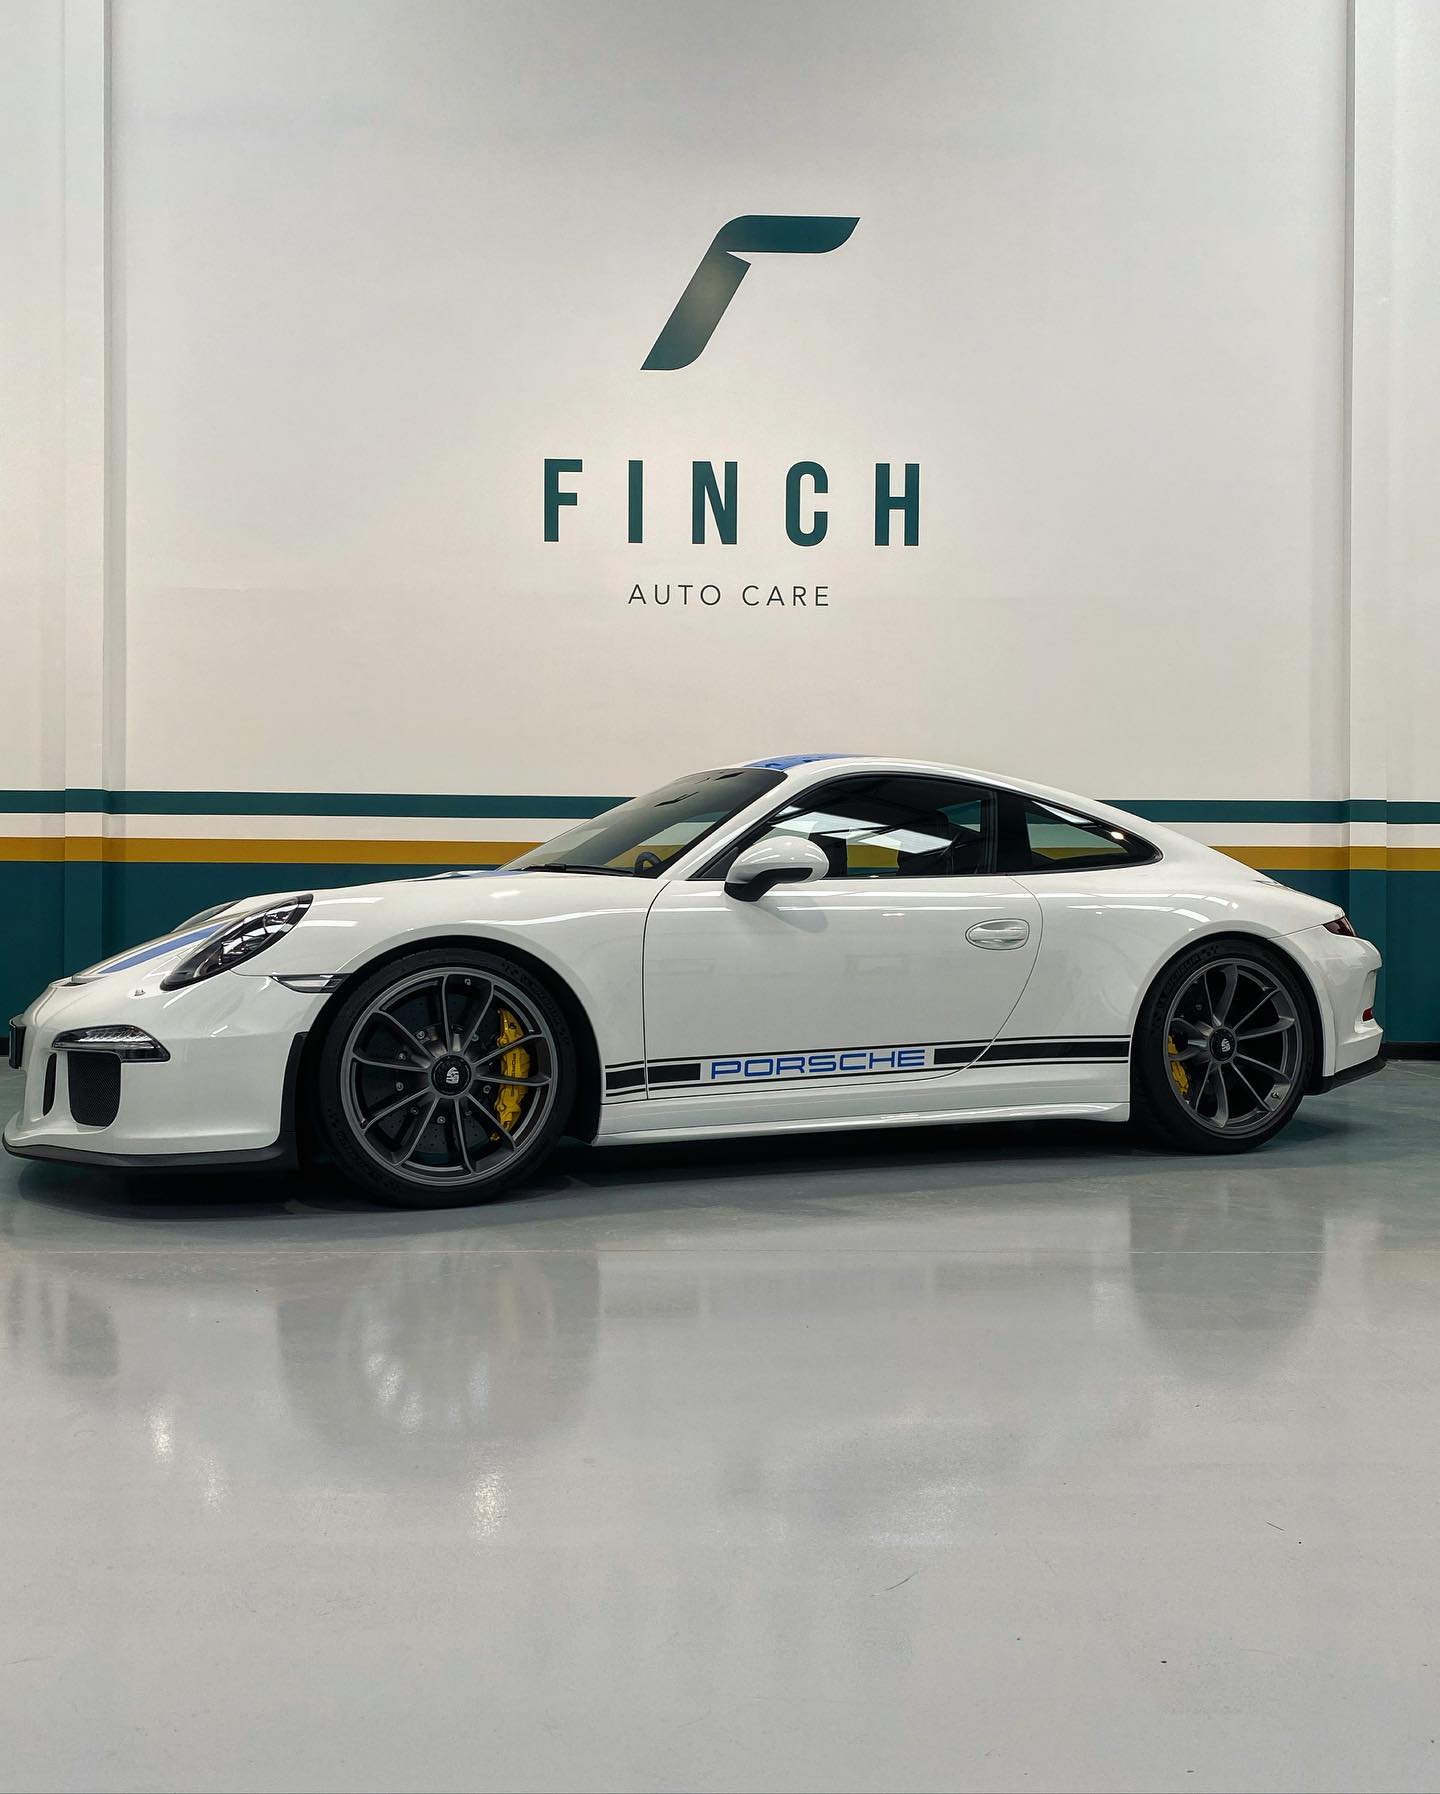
781	860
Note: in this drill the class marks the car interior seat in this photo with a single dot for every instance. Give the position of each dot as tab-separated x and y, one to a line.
960	854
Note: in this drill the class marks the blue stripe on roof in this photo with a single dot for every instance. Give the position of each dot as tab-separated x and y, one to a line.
783	762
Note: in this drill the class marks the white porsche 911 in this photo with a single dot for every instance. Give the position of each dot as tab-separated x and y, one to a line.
812	942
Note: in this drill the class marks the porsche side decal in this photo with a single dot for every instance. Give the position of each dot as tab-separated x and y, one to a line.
726	1071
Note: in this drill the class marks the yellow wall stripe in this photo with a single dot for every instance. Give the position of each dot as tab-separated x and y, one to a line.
220	850
1366	858
217	850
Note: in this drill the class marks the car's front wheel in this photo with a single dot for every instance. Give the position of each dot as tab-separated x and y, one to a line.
1223	1048
445	1077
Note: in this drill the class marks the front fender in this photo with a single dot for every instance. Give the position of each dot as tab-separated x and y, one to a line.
587	931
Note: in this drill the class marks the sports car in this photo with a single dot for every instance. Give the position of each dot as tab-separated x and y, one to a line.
814	942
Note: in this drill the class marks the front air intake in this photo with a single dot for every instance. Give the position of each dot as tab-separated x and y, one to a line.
94	1082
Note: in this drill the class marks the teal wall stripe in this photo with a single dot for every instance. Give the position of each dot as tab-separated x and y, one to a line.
295	803
83	913
440	804
32	942
1412	980
1279	810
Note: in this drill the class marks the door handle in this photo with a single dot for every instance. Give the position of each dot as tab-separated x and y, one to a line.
1009	931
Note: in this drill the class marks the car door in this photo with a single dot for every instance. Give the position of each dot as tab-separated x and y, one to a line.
896	970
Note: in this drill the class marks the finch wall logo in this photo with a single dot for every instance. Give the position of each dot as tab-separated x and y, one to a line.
713	284
714	507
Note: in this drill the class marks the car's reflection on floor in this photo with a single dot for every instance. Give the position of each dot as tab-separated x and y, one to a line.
412	1335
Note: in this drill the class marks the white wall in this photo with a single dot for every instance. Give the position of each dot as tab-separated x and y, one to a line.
32	294
378	261
1411	525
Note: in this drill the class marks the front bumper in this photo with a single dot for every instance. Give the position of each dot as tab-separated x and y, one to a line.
225	1096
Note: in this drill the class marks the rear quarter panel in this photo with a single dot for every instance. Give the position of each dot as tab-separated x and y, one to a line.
1107	934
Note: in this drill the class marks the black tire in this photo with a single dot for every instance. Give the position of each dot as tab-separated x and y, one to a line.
464	1093
1195	1082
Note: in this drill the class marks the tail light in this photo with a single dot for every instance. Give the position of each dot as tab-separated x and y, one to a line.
1342	925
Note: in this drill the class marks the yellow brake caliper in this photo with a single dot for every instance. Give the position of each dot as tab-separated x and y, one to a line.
510	1099
1177	1070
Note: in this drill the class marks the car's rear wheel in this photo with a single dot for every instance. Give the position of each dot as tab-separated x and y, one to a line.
445	1078
1223	1048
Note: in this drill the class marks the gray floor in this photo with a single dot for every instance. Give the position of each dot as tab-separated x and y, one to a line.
991	1459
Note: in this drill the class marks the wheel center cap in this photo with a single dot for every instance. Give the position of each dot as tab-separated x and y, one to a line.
1222	1044
451	1074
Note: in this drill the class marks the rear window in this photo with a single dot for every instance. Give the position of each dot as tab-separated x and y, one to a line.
1051	839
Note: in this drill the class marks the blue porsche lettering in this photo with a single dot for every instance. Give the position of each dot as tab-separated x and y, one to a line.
822	1064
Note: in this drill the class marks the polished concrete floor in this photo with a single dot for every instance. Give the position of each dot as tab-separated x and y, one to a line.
994	1459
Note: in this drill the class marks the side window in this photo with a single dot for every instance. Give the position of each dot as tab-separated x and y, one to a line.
1056	840
894	827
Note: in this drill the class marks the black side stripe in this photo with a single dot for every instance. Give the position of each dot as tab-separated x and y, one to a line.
675	1071
828	1078
681	1077
1033	1052
889	1046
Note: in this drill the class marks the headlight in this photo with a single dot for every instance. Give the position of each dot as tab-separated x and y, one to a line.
122	1040
242	940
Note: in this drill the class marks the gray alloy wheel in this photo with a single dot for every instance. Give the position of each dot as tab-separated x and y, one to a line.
443	1079
1234	1046
1223	1048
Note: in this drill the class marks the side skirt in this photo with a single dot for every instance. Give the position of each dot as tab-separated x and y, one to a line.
673	1127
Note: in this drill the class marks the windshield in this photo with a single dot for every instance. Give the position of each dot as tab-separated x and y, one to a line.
643	836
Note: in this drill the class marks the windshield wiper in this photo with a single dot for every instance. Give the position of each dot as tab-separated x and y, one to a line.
576	866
